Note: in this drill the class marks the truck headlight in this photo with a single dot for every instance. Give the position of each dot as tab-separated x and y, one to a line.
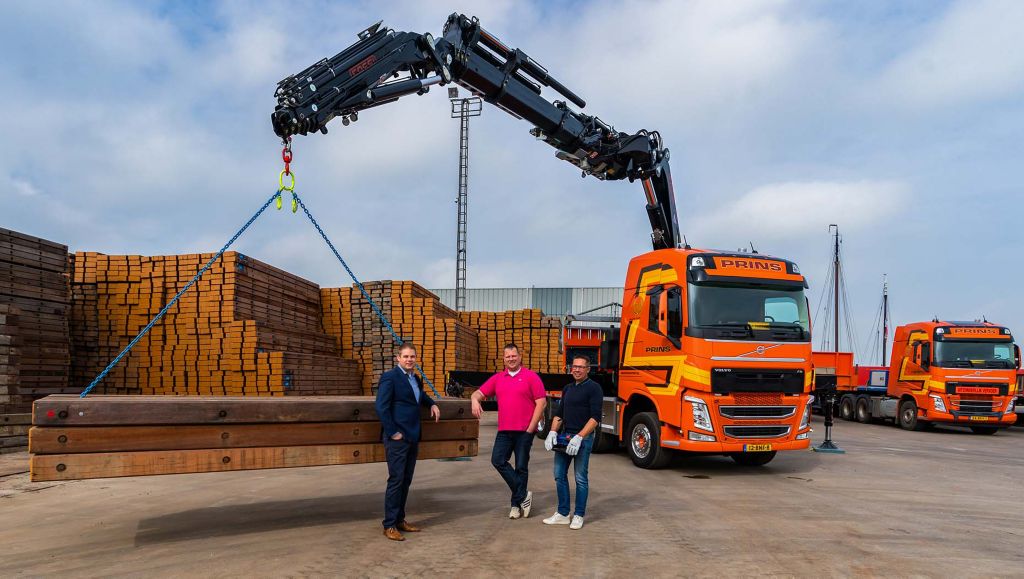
698	437
938	404
1010	406
805	421
701	415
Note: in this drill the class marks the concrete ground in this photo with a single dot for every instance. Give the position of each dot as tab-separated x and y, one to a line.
938	504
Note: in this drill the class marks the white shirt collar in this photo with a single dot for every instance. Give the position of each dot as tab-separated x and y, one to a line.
513	374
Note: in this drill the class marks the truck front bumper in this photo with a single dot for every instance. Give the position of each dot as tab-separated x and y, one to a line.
751	445
989	419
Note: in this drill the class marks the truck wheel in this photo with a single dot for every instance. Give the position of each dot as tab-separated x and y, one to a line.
753	458
984	429
846	408
644	443
862	410
907	418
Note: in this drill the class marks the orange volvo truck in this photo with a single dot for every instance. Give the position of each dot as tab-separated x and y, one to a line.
714	347
953	373
714	357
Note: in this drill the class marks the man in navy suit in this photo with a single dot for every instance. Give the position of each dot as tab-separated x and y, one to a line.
399	397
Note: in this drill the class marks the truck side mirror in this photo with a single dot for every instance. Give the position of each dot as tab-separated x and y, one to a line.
926	355
1016	356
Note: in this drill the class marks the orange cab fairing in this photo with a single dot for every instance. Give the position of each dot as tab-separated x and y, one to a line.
932	363
751	372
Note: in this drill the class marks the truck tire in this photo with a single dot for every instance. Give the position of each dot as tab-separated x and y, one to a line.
984	429
846	407
753	458
907	416
862	410
644	442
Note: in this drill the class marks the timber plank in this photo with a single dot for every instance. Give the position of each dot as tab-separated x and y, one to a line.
50	467
83	439
110	410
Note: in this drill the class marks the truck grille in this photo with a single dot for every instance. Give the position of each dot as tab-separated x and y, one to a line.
756	431
757	399
756	412
729	380
977	407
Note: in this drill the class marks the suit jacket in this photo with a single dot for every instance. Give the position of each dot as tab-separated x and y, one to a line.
396	405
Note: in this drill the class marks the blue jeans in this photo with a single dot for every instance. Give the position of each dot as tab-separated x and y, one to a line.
505	443
580	463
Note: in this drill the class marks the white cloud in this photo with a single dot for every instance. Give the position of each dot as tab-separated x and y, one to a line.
975	52
23	188
785	211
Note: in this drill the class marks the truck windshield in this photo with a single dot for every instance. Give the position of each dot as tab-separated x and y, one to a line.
974	354
727	305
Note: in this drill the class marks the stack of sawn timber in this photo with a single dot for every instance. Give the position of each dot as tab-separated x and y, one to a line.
34	347
536	335
446	340
14	432
245	328
443	342
112	436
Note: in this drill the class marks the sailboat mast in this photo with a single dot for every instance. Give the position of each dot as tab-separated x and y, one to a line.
885	316
835	307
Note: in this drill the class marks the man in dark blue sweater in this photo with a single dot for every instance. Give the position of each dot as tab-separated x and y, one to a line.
580	413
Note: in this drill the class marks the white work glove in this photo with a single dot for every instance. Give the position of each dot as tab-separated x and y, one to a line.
574	445
549	442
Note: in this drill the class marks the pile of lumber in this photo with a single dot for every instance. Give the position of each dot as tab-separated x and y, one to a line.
14	432
443	341
34	305
536	335
112	436
245	328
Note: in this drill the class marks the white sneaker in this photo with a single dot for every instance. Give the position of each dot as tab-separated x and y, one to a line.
577	522
526	504
515	513
557	519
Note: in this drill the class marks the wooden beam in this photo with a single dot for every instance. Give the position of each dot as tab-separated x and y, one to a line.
50	467
103	410
60	440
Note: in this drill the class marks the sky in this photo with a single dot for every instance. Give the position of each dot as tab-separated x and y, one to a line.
144	128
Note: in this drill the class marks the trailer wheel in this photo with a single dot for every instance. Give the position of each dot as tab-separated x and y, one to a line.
644	443
984	429
907	418
753	458
846	407
862	410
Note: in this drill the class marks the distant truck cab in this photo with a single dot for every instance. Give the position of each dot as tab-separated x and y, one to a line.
954	373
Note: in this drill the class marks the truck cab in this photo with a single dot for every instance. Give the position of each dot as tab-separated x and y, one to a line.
714	357
958	373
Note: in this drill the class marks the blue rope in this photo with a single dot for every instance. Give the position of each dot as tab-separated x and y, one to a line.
359	284
174	300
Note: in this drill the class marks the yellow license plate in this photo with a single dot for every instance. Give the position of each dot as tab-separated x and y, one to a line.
980	418
757	447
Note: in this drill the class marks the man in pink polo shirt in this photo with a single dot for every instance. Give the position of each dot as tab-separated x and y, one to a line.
521	401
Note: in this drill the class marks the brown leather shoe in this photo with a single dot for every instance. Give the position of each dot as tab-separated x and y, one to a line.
393	534
406	527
